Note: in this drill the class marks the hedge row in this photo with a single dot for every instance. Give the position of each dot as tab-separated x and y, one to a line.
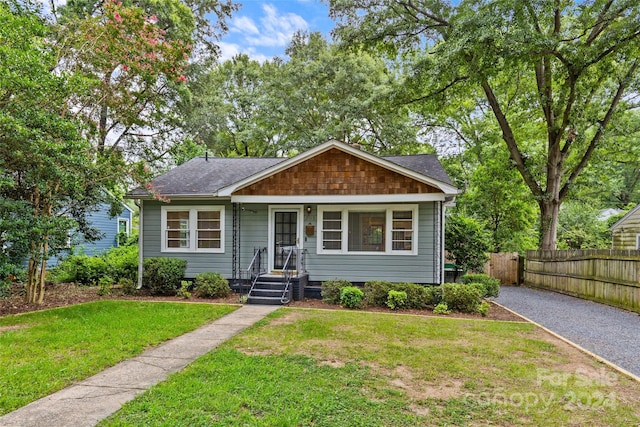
466	297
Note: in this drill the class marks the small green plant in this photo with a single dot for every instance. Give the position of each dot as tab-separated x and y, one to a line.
396	299
491	286
104	286
127	286
483	308
441	308
211	285
330	290
183	292
162	275
351	297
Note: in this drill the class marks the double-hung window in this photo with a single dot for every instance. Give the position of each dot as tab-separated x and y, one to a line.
378	229
193	229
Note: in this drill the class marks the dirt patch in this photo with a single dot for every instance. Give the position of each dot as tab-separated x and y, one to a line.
12	328
65	294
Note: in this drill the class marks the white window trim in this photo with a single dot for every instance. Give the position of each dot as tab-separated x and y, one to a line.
193	224
638	241
128	227
388	209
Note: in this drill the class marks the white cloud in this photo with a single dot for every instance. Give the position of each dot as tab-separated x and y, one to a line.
274	29
244	25
228	50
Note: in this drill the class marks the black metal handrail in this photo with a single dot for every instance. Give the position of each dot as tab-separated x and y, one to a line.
256	269
286	272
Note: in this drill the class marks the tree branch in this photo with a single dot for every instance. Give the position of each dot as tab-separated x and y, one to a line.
600	132
509	138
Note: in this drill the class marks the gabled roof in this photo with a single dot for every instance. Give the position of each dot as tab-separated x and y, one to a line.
220	177
624	218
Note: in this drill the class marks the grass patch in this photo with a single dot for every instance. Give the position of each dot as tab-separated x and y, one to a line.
45	351
330	368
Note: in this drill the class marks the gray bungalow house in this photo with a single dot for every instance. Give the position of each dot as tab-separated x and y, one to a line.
331	212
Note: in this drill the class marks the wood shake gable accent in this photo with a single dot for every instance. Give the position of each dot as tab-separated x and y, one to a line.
335	172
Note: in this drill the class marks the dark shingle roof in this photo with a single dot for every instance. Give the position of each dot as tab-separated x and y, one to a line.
425	164
200	177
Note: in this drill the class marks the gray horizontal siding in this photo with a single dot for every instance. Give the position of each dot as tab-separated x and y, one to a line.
360	268
253	224
196	262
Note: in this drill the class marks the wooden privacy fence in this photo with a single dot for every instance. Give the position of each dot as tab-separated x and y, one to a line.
608	276
505	266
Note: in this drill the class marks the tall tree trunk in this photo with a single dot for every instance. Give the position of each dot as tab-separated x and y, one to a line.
549	210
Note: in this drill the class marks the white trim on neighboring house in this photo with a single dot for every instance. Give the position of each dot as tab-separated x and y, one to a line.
191	238
638	241
127	228
388	209
271	241
279	167
364	198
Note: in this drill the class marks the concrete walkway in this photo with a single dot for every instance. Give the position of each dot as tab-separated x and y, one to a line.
88	402
610	333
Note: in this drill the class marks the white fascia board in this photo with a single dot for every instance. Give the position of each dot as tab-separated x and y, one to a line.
323	199
445	188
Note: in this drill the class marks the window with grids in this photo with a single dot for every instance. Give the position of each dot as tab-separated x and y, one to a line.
208	231
332	230
177	229
402	231
382	229
193	229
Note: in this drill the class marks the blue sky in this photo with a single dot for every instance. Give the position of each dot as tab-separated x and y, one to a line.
263	29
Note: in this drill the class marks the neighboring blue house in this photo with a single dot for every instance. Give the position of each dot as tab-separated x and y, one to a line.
334	211
109	226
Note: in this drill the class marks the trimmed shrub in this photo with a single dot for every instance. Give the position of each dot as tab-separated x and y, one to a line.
162	275
491	285
127	286
330	290
377	291
88	270
434	295
418	296
460	297
211	285
123	262
396	299
351	297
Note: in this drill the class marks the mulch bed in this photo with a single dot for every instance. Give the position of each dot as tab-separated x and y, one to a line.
60	295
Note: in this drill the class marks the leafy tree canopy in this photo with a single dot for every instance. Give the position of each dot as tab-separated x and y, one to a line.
556	77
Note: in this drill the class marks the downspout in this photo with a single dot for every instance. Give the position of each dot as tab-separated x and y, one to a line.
140	242
442	250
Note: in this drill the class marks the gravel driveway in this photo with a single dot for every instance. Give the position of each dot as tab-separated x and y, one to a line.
609	332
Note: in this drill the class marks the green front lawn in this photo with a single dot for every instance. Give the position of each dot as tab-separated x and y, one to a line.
328	368
45	351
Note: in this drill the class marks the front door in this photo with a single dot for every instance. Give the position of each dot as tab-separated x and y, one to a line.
285	238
